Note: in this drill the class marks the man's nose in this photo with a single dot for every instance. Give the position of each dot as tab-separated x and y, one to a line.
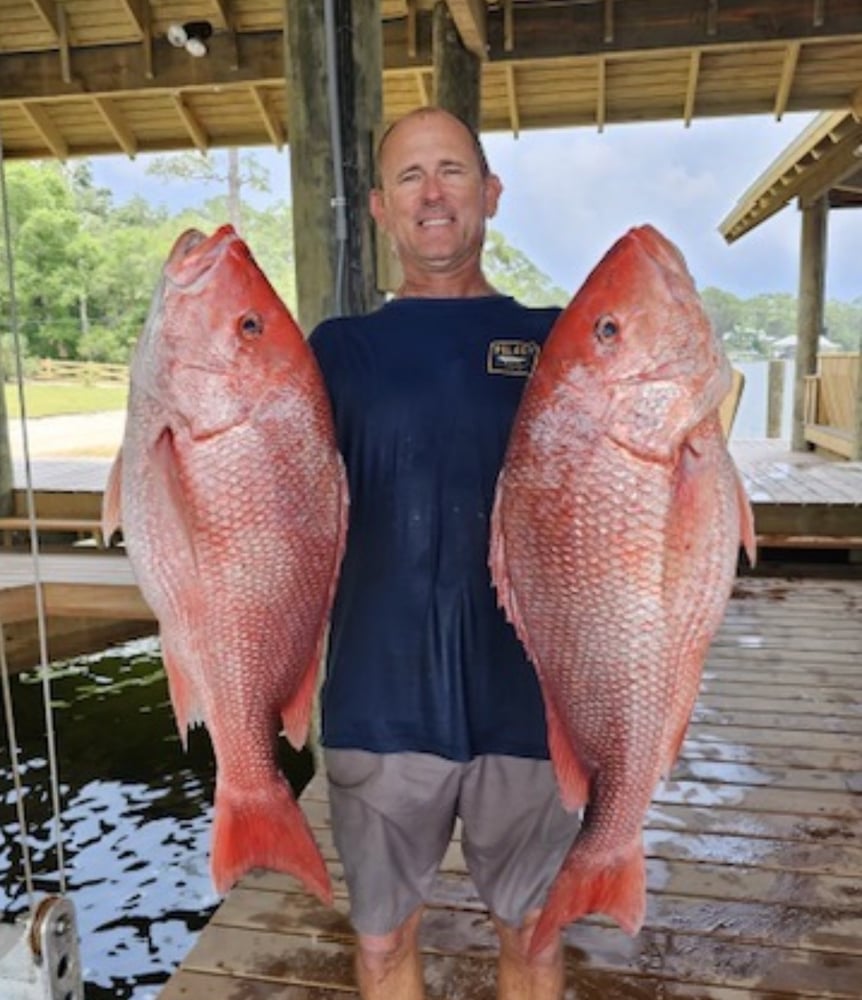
432	190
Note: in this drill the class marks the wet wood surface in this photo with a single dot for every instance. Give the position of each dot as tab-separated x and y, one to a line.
754	848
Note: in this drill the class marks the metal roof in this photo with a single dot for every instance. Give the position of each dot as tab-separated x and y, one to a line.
84	77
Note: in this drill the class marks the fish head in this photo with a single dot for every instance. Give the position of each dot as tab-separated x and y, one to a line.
218	341
638	346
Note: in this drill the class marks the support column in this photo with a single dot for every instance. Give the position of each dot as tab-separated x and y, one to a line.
5	452
856	446
457	71
812	268
320	255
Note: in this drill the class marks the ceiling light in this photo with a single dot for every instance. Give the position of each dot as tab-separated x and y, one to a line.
191	36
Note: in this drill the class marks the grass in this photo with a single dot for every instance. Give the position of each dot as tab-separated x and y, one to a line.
49	399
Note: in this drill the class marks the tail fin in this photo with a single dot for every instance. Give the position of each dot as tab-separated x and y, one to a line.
618	890
265	829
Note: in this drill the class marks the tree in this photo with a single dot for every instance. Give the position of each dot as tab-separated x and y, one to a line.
205	169
510	271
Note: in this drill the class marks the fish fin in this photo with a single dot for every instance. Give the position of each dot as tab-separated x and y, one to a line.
170	499
573	778
265	829
746	521
187	710
617	890
296	715
112	506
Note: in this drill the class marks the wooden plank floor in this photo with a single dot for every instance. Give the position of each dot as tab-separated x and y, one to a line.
754	848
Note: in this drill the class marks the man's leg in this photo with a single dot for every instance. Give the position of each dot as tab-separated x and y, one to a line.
388	966
523	978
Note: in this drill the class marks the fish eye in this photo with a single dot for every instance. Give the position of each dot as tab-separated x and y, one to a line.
606	328
251	325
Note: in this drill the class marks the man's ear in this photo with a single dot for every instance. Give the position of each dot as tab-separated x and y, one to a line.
376	207
493	190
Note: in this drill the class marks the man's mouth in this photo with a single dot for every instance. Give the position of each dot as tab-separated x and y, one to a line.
431	223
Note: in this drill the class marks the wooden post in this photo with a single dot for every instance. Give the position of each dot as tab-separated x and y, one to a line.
856	445
360	90
775	398
457	72
5	452
812	266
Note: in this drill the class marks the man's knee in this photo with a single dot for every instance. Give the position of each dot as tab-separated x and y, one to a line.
380	953
515	942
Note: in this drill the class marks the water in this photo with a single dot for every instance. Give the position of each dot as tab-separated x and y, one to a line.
750	422
136	816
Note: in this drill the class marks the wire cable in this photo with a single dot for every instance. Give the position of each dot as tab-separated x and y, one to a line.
44	669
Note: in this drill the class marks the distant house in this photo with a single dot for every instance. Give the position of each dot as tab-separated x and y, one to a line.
786	347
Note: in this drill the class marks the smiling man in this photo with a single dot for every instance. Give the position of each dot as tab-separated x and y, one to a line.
431	710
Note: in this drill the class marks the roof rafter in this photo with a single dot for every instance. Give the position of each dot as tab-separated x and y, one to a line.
785	84
274	127
470	20
192	125
512	97
117	124
691	87
47	10
48	131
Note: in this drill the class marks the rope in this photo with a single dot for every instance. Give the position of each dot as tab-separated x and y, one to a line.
34	539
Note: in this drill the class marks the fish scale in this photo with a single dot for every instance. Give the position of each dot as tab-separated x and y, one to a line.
233	502
614	539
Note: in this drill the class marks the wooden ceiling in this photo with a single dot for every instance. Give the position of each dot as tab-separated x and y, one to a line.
85	77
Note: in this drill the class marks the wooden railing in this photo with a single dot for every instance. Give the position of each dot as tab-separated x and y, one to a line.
51	370
830	402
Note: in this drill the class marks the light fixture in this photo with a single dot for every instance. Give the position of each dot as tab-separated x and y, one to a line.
191	36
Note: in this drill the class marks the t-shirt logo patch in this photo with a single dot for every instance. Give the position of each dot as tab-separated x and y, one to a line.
512	357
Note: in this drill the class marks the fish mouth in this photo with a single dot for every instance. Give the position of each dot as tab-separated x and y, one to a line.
194	255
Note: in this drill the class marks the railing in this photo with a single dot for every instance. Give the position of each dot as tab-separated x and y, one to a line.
830	402
50	370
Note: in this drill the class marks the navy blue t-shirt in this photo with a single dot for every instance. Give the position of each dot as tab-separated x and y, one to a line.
420	657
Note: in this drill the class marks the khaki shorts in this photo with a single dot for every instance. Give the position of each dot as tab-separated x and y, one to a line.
393	817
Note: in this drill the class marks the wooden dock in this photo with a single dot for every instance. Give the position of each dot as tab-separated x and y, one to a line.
754	848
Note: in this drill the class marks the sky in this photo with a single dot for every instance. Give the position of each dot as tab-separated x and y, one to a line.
570	193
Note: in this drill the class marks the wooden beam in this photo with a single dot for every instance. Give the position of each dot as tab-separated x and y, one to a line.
121	69
48	131
601	94
812	267
856	104
512	99
508	25
421	76
819	13
457	71
567	29
785	84
312	161
470	20
224	8
47	11
691	87
609	22
712	18
412	8
139	14
192	125
274	127
117	124
65	62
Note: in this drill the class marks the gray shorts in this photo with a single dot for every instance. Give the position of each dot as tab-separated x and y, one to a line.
393	816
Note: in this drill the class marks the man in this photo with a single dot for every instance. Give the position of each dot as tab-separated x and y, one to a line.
430	708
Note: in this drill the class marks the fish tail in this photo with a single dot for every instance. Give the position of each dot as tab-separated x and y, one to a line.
265	829
618	890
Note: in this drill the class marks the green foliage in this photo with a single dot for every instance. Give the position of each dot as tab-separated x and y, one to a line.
510	271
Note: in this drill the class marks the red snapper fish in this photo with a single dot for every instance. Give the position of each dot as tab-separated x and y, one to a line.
614	541
233	503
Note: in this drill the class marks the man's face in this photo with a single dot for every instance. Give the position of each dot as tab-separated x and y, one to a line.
433	199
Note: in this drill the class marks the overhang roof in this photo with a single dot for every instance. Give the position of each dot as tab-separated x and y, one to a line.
824	161
84	77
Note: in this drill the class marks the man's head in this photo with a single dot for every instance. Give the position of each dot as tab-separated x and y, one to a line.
434	193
